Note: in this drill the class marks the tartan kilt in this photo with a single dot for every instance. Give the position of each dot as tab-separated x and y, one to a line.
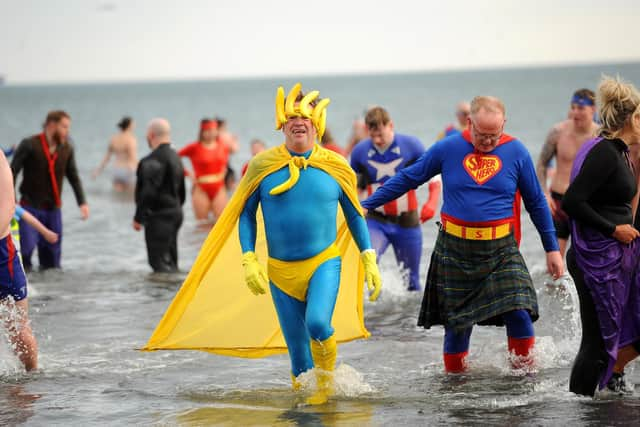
475	282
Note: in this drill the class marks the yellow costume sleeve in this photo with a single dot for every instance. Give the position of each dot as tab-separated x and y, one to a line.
214	310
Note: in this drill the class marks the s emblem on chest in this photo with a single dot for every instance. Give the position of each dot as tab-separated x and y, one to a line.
482	167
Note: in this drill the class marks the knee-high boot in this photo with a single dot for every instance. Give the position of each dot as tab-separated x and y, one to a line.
324	355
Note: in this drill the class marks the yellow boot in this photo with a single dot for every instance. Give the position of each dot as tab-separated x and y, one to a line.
324	358
295	384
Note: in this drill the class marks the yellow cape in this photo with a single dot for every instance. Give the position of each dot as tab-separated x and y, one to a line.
214	310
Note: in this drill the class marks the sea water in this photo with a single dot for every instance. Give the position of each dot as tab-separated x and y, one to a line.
91	317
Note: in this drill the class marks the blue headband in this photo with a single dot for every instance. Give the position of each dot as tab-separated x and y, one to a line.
581	100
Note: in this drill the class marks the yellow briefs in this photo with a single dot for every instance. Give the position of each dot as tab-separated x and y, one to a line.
292	277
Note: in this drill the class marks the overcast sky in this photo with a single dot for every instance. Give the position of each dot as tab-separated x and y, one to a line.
115	40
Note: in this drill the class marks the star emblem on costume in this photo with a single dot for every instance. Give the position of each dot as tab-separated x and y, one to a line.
385	169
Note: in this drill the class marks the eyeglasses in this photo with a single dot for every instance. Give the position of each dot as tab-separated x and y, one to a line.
486	136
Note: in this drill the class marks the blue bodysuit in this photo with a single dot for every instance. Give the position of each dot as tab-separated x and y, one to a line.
299	224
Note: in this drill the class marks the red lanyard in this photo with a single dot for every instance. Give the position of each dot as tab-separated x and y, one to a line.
51	159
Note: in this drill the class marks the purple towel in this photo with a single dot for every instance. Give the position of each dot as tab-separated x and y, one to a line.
609	269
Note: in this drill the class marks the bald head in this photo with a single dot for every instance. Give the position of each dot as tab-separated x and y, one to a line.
158	132
159	127
462	112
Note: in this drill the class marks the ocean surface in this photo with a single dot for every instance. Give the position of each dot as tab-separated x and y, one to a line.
90	318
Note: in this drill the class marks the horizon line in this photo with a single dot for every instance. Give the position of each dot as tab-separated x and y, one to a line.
357	73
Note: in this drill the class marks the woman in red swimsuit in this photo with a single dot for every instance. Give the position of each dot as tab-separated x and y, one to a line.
209	157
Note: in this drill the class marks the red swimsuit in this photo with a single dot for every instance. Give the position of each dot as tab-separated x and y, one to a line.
209	165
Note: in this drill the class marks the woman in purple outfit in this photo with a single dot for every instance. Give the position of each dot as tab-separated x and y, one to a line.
603	259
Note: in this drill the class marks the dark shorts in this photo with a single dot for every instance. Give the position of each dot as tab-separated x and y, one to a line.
13	281
560	217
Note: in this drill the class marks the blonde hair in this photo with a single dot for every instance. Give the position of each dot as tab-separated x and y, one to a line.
617	101
488	103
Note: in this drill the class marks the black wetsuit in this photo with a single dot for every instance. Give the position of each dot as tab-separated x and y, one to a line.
600	198
160	194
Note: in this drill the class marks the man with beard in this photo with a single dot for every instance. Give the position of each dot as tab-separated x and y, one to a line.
160	195
46	159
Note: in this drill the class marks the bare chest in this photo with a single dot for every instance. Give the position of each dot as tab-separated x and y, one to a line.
568	145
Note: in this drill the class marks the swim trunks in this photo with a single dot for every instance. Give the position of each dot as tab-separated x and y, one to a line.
124	176
560	217
13	281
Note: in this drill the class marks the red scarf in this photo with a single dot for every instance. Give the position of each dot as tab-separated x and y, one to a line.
51	159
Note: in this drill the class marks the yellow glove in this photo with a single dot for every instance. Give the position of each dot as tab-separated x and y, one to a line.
371	273
254	273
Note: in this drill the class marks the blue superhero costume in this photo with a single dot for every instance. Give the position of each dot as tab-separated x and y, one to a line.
305	238
313	228
396	223
479	194
13	281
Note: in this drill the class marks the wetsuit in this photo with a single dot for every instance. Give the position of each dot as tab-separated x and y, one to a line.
476	274
40	195
210	165
160	194
603	269
300	224
397	222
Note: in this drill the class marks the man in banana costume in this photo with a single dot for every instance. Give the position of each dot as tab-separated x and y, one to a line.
299	207
285	211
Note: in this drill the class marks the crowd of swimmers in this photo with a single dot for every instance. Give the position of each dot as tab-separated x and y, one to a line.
476	274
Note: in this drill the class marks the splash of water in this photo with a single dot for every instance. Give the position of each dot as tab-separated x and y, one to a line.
348	382
11	317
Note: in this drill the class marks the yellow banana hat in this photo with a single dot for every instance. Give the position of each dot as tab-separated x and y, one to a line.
287	108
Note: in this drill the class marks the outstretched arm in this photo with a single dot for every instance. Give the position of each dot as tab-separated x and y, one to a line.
49	236
360	233
426	167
